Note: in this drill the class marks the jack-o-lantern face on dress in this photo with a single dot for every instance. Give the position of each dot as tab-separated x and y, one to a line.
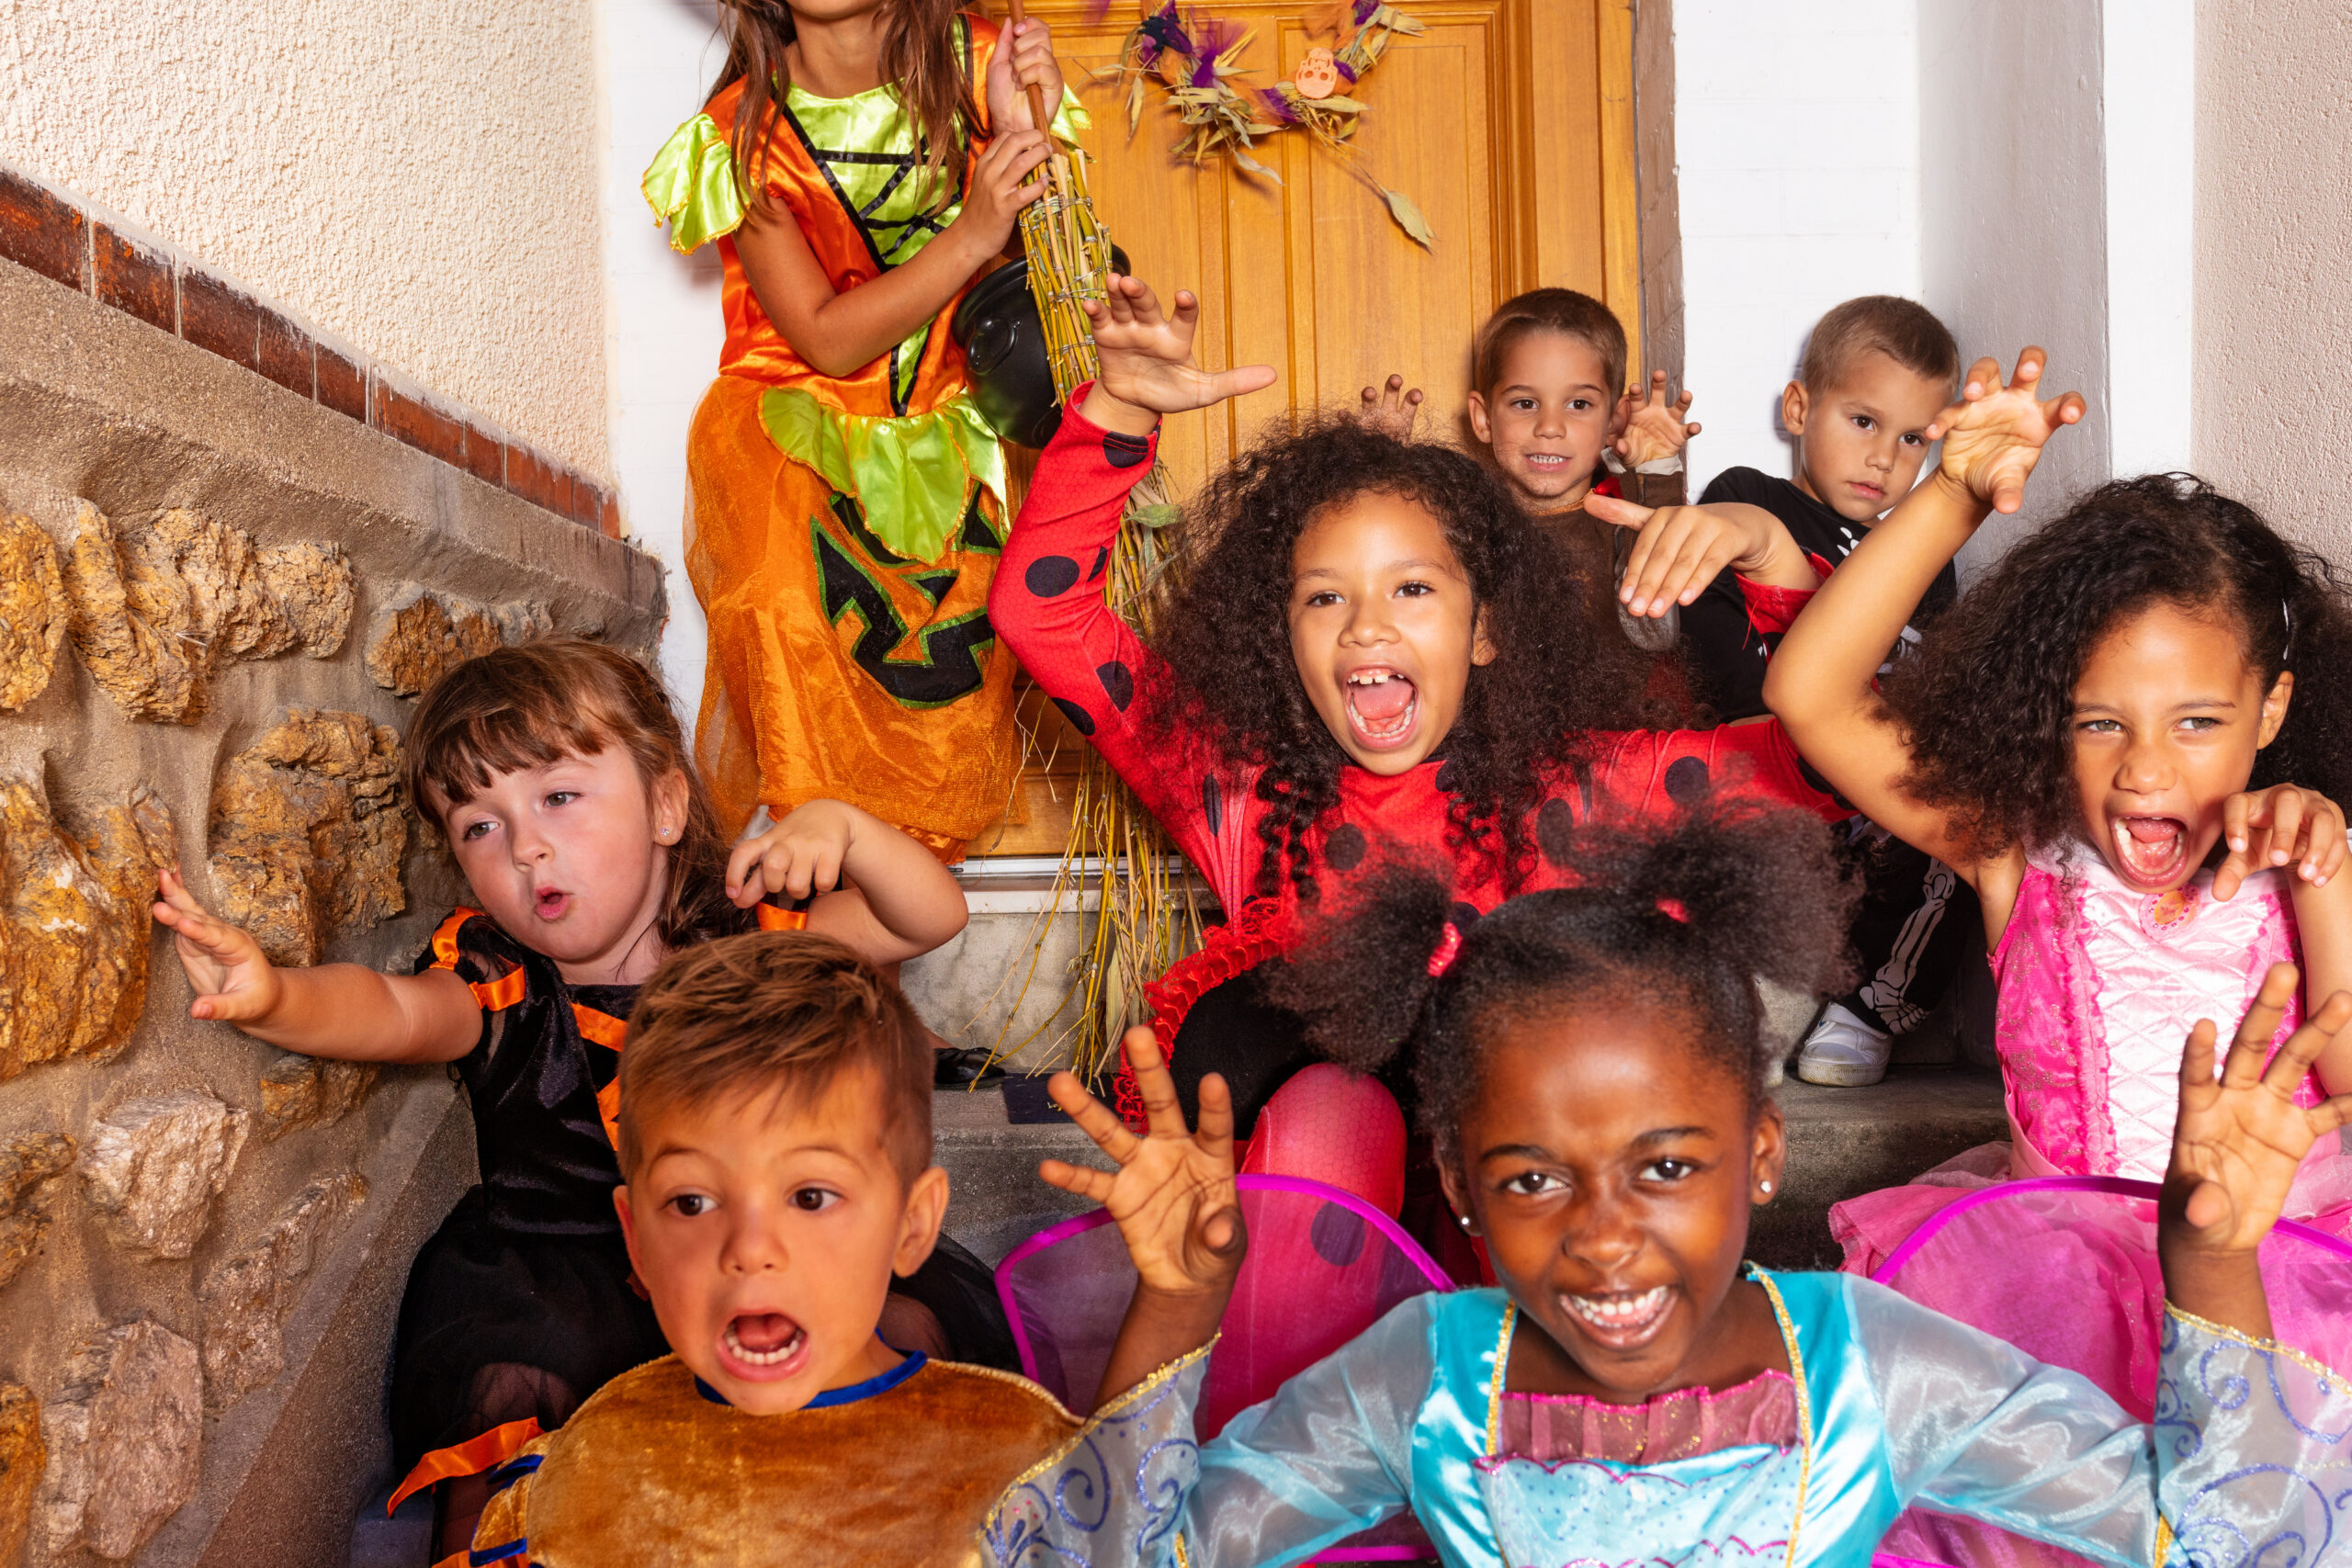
1317	75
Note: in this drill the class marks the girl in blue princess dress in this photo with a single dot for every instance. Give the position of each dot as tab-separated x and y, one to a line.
1589	1064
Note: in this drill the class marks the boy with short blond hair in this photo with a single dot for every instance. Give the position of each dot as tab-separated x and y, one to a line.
1877	371
775	1142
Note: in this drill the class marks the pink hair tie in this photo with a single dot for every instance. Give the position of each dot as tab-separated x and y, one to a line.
1448	944
1673	910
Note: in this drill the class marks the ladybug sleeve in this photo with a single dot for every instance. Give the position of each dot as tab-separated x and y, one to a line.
1048	604
1652	771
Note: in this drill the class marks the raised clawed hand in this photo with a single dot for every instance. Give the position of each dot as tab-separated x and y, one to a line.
1648	430
2269	828
2240	1135
1391	409
1146	354
1993	435
1679	550
1172	1196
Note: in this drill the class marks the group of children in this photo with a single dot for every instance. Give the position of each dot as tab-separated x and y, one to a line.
1512	774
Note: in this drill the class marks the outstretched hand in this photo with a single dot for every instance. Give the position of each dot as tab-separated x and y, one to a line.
1145	356
2235	1149
1679	550
1172	1196
1994	435
234	979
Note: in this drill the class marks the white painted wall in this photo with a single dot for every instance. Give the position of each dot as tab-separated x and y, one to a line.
1797	137
2272	383
662	333
406	173
2013	230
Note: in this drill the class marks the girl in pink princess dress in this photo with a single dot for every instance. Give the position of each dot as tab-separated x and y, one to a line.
2129	738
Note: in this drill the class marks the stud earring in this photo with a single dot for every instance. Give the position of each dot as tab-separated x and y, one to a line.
1461	1220
1766	1187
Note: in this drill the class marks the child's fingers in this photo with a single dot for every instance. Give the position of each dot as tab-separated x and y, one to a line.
1216	1118
740	861
1096	1119
1161	1111
1087	1182
1689	430
1984	380
2328	850
1240	380
228	1007
2066	410
2286	825
2303	1047
1149	312
2031	361
2197	1058
2243	1066
2209	1207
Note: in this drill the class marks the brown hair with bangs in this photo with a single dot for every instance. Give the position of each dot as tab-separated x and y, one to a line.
527	707
786	1013
1561	311
1904	332
922	57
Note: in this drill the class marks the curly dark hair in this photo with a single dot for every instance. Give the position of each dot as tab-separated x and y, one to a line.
1225	634
1682	915
1987	704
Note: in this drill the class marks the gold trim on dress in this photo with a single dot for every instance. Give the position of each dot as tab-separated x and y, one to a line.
2311	1364
1165	1372
1804	1402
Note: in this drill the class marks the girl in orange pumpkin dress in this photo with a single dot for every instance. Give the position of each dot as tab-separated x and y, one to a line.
861	163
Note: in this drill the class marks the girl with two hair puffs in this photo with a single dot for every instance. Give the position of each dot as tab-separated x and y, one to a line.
1591	1064
559	778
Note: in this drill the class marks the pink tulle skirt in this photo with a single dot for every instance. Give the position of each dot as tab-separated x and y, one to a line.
2064	1267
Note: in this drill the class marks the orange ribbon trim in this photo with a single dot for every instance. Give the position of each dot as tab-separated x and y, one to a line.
471	1457
495	996
774	919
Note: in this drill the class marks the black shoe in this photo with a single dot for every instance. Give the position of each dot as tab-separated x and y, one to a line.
962	1066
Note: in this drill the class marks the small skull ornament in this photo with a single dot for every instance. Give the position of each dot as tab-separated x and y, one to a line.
1317	75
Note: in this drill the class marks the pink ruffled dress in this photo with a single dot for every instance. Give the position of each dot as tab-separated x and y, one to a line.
2099	985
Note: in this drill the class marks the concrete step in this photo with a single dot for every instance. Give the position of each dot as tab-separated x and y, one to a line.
1842	1142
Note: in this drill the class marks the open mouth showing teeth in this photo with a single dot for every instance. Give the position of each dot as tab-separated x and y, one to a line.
1546	459
1622	1318
1380	706
2151	851
763	1338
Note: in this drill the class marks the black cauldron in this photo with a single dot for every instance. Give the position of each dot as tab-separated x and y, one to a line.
1003	341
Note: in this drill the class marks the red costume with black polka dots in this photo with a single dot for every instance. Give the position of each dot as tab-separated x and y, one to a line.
1049	606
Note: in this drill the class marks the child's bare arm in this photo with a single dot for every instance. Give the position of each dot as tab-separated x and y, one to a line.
342	1010
1821	683
878	889
837	333
1146	358
1176	1207
2287	826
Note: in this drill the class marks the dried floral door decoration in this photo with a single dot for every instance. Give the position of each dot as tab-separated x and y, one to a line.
1195	59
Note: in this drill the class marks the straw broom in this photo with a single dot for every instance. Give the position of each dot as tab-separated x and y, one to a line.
1149	918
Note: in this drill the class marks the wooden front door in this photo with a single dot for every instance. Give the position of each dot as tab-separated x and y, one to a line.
1507	123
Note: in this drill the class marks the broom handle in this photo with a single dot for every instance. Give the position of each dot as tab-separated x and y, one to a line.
1037	93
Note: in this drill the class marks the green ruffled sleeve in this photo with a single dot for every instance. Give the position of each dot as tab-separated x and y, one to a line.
692	186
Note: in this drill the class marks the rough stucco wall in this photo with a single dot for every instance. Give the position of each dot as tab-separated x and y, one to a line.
416	176
2273	389
2013	232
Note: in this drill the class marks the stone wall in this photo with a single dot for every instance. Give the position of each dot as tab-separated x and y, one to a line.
217	599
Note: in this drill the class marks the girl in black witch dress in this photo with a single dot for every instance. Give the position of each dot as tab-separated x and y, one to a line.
562	780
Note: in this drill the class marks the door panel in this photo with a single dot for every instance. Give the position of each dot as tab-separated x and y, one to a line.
1507	123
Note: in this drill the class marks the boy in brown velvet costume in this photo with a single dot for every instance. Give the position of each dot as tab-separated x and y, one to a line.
775	1141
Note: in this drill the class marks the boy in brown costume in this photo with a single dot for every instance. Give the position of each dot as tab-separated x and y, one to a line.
776	1140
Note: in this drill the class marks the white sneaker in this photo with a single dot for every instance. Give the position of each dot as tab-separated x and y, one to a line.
1843	1050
